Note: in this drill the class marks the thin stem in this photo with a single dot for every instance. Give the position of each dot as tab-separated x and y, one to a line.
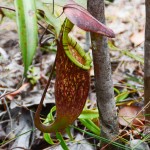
4	7
18	86
45	28
53	6
46	88
49	81
40	41
9	114
46	39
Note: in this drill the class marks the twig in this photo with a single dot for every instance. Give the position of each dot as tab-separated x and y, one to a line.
40	41
45	28
33	134
45	90
8	113
53	6
3	144
18	86
5	121
4	7
46	39
19	148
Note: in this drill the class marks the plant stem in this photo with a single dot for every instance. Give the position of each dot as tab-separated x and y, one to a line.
147	63
3	7
103	79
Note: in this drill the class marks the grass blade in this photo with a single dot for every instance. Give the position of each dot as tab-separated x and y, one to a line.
126	52
102	139
89	114
89	124
62	142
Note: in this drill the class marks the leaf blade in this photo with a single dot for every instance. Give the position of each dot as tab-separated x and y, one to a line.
90	125
27	30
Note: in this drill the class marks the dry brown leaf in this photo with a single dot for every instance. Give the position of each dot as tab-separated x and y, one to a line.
13	94
137	38
128	116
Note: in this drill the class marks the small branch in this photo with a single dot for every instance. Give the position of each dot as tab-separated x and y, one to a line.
9	114
18	86
48	83
46	39
45	28
40	41
4	7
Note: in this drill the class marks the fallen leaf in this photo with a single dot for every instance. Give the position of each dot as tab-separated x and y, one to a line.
13	94
128	116
137	38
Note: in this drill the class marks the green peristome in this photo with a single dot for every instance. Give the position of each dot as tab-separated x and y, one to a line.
67	40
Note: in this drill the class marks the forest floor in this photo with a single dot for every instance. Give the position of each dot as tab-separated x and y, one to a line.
17	131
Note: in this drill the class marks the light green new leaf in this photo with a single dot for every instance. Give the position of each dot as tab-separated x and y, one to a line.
122	96
89	114
48	139
49	118
27	30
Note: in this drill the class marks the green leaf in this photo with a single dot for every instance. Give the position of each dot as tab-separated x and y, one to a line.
91	126
68	131
27	30
122	96
10	14
116	90
62	141
89	114
48	139
135	79
49	118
